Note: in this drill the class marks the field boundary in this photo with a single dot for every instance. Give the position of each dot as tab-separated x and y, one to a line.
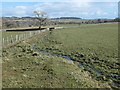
13	39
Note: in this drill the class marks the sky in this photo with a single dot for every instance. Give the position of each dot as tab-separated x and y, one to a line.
87	9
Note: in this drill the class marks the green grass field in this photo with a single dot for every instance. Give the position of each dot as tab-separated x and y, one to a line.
91	45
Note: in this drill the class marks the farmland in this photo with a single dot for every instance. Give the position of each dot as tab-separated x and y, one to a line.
92	45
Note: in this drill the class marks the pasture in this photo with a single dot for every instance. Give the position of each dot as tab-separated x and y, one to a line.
93	46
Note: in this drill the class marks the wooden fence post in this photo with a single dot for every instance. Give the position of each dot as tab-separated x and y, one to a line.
16	37
3	42
11	39
7	40
19	37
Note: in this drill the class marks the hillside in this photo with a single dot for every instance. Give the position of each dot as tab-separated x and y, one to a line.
23	67
25	22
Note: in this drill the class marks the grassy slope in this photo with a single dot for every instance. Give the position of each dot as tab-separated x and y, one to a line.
99	40
21	69
98	45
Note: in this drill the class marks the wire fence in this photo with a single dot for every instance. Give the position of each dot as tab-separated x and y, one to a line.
15	38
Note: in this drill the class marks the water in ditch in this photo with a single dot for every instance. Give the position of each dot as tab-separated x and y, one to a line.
65	56
98	73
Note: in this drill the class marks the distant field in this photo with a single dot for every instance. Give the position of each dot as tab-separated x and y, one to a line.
71	20
79	20
91	45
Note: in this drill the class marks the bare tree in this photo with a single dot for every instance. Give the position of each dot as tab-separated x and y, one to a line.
42	17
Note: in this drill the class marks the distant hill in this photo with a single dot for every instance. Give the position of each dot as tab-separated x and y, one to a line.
68	18
22	22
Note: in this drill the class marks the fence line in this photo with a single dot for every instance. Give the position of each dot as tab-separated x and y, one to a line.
14	38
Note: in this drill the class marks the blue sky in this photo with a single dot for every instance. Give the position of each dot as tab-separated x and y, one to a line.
75	8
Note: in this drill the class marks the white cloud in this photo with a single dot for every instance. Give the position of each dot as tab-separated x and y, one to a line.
60	1
94	0
82	9
101	13
21	7
13	11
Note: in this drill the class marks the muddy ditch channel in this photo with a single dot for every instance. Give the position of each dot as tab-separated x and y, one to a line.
98	75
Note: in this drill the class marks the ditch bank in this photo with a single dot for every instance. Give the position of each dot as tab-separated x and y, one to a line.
99	75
